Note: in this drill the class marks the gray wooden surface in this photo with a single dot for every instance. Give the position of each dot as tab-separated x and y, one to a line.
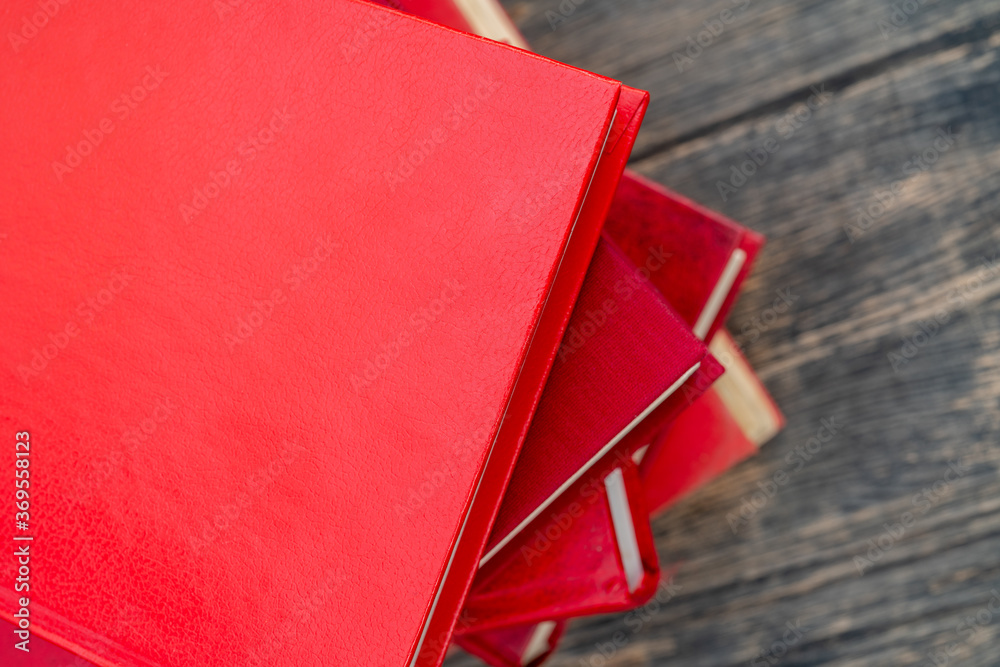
913	272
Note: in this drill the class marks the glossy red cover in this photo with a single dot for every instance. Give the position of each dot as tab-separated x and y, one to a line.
570	563
509	647
624	354
262	286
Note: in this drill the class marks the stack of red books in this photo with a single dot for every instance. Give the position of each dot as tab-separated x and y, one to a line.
338	336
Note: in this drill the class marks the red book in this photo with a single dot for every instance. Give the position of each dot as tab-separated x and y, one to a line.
721	428
625	358
518	646
262	289
697	258
593	553
707	255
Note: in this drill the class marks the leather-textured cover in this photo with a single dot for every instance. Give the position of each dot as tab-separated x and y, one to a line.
625	356
516	646
630	107
570	563
645	217
630	110
280	306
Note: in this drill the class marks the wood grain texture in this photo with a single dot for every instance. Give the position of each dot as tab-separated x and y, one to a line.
918	267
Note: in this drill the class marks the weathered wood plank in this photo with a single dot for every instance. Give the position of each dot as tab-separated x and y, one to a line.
767	55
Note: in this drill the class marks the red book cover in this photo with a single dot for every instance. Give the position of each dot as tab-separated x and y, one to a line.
708	255
625	357
721	428
591	553
263	285
518	646
704	441
697	258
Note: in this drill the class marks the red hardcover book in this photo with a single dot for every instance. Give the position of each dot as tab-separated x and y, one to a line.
262	288
592	553
721	428
624	358
518	646
697	258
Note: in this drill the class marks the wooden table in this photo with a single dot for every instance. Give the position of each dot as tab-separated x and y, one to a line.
885	231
